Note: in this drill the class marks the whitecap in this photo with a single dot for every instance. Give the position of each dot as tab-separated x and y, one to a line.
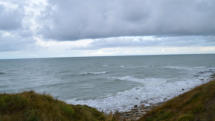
122	66
139	80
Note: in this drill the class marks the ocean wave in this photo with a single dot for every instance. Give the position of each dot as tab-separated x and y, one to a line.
1	73
198	68
155	90
204	72
128	78
182	67
139	80
124	101
94	73
132	67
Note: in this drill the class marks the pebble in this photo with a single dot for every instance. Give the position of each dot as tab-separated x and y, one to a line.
136	112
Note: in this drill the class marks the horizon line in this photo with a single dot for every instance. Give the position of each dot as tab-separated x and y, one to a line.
22	58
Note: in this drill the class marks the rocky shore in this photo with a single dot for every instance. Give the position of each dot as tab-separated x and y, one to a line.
135	113
138	111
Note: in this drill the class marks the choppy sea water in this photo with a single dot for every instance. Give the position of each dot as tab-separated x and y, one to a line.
108	83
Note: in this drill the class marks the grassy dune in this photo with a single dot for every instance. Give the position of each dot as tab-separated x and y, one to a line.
29	106
195	105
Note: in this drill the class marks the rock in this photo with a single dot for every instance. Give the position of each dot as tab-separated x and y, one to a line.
142	106
136	112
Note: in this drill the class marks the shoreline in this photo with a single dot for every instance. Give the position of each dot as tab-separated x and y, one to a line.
155	90
137	112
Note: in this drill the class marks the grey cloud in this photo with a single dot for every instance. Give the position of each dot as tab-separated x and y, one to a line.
13	35
15	42
77	19
177	22
156	41
11	19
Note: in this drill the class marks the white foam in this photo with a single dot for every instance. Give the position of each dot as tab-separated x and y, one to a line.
153	90
122	66
146	81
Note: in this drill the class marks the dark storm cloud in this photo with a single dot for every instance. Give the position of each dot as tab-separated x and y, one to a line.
77	19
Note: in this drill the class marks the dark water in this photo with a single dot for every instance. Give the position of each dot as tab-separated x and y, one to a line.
108	83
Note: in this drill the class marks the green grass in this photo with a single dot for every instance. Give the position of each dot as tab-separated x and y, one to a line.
30	106
195	105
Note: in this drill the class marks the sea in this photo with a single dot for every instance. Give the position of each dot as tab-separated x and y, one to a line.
108	83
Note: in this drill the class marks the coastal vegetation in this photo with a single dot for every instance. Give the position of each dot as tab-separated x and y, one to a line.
30	106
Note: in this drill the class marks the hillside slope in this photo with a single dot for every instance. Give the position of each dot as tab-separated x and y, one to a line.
29	106
195	105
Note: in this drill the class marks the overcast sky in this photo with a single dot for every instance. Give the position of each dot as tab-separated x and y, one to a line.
67	28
